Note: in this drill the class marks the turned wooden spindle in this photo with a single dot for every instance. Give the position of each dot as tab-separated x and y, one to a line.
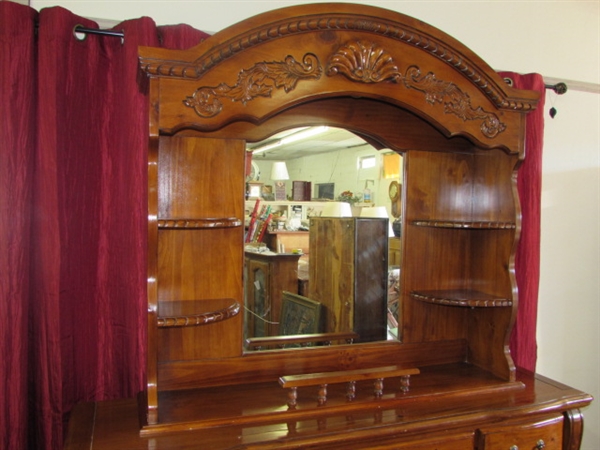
322	396
351	390
322	379
405	383
378	388
292	398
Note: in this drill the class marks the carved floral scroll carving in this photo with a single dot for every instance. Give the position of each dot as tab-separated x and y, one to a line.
359	61
454	100
258	81
369	63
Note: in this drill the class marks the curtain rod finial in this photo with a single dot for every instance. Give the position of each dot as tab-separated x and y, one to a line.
559	88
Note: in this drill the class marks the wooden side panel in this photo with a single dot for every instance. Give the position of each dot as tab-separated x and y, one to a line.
461	226
196	264
201	178
200	181
269	365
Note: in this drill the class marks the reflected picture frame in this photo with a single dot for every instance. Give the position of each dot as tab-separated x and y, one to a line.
300	315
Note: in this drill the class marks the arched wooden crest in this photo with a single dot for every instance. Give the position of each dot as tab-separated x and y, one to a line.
290	56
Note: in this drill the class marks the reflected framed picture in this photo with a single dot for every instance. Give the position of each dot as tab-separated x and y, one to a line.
254	190
299	315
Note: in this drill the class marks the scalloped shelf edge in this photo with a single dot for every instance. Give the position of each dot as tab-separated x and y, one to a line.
177	224
482	225
461	298
202	318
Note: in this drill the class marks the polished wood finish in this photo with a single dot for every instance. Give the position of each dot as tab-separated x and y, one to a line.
545	433
469	412
399	84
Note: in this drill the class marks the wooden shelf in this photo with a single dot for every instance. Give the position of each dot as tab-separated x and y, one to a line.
222	222
192	313
461	297
464	225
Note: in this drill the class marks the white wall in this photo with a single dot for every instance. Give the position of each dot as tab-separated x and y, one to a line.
556	39
340	168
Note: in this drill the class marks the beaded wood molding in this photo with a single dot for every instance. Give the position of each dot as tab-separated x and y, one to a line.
465	225
203	318
228	222
462	298
345	22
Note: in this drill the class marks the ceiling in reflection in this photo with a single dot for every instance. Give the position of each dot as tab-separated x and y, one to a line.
307	141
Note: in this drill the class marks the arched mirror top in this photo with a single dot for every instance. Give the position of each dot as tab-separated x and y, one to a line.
278	60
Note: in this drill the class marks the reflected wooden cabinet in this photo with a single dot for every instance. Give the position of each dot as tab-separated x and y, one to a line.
348	274
395	251
402	85
267	276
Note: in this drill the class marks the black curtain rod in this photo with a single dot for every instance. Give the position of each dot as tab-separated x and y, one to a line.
559	88
80	29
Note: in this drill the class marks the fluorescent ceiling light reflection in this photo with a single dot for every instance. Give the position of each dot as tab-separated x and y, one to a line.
294	137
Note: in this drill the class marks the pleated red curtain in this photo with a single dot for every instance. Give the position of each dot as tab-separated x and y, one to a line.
17	146
73	216
523	343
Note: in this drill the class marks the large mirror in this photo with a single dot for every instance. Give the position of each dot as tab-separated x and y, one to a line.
323	255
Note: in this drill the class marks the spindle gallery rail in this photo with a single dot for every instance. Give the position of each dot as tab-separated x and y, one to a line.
323	379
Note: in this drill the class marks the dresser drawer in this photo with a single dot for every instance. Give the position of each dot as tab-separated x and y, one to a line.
544	434
438	441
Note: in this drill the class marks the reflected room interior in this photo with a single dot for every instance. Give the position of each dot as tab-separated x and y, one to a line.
322	240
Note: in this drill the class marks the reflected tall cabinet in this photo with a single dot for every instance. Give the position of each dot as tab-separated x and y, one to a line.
402	85
348	274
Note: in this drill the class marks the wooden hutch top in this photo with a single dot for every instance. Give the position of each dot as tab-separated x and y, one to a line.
402	85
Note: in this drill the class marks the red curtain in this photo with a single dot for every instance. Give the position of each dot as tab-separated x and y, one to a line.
73	216
523	344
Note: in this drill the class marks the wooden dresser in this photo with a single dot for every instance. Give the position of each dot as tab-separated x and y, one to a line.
399	84
539	414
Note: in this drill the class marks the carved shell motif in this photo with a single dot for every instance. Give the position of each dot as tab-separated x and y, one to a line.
365	62
258	81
